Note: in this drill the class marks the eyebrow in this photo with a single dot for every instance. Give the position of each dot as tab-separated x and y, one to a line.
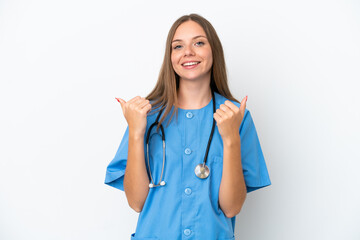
179	40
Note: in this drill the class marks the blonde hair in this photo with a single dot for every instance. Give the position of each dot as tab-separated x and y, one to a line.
164	94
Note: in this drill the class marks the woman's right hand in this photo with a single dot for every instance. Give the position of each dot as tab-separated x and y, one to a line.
135	112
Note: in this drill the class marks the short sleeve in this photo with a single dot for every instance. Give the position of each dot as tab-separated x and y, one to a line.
115	171
254	167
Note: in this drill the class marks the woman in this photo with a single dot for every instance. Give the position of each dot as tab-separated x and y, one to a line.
178	196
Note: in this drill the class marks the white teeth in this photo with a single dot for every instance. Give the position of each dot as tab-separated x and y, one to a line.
190	63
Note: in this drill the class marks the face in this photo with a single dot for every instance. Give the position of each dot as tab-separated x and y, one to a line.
191	54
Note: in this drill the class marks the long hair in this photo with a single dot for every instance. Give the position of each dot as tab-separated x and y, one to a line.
164	94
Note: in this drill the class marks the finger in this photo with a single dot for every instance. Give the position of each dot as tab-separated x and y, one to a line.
134	99
220	112
135	102
217	117
143	103
147	108
122	103
228	112
243	105
138	104
231	105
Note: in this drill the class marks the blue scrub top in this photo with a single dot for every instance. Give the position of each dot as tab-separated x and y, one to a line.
187	207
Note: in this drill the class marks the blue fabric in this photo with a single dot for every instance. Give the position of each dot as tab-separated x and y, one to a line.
187	207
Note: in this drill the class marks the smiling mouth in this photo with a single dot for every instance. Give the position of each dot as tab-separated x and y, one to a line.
190	64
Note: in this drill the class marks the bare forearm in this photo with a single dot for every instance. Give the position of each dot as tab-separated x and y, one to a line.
136	182
232	192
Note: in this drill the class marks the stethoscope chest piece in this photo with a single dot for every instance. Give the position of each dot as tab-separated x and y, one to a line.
202	171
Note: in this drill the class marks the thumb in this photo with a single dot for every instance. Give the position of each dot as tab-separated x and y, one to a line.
122	103
243	105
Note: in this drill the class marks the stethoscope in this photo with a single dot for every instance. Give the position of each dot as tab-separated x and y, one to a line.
201	170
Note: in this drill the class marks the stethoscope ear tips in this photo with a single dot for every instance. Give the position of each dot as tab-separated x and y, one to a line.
151	185
162	183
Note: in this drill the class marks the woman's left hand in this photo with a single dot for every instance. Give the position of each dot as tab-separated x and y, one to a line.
229	117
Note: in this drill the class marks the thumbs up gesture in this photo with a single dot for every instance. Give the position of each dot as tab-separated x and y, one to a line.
135	112
229	117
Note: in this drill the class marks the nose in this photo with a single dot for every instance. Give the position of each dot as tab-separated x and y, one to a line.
189	51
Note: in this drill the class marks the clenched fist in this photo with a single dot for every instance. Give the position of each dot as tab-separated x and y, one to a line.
229	117
135	112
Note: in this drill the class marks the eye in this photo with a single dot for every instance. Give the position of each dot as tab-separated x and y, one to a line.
199	43
176	47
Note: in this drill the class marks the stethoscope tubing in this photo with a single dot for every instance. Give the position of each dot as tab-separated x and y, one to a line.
199	168
161	183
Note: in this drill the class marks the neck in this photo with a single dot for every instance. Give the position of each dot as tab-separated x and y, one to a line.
193	94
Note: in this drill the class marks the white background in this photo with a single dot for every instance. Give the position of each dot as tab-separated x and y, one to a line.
62	63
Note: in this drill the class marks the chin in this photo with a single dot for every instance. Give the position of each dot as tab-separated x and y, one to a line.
192	77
